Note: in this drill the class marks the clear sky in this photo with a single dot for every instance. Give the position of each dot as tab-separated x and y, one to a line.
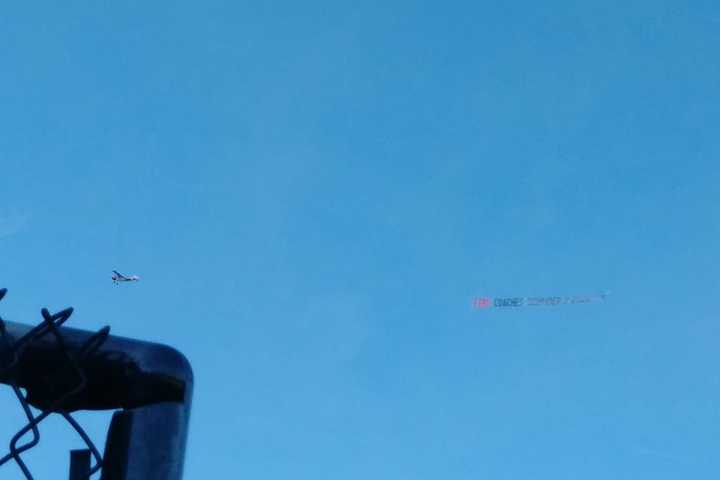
313	192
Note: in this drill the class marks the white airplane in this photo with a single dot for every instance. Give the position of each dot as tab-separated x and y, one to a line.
119	277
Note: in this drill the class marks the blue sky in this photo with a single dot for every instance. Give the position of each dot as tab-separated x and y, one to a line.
313	193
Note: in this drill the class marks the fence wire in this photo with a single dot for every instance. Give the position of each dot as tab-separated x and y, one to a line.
53	389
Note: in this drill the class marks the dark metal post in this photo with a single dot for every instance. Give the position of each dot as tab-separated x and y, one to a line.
65	369
79	464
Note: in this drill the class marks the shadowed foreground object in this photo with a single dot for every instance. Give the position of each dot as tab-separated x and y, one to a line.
64	370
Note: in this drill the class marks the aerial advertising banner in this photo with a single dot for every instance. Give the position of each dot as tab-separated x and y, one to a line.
504	302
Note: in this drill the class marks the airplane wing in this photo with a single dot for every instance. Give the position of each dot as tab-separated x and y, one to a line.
120	275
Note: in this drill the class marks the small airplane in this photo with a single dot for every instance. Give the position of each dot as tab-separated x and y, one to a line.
119	277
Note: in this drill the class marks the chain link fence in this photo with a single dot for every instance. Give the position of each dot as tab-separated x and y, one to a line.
57	370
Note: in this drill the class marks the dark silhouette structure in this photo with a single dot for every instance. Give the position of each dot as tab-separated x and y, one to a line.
63	370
